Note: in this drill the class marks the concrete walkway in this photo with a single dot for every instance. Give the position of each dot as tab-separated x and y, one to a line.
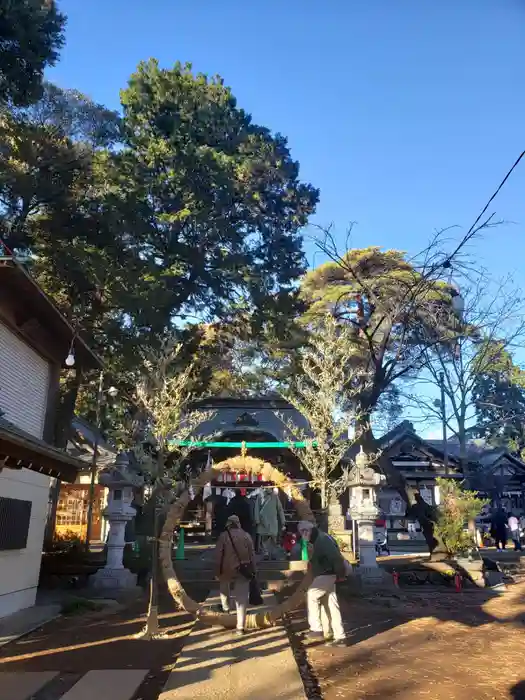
24	621
217	665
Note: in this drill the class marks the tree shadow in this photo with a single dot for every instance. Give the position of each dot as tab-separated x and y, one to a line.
397	649
518	691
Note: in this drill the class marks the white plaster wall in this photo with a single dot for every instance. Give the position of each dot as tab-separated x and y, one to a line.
24	385
20	569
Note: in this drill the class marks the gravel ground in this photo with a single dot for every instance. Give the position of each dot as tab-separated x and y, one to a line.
423	643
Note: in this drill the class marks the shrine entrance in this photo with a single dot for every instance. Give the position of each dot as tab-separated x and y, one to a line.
240	464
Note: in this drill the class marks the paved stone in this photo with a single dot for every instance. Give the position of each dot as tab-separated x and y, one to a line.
117	685
217	665
23	685
25	621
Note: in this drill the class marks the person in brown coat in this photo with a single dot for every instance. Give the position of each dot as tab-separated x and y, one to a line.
234	547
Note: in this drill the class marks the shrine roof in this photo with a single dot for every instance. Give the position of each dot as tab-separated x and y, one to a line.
265	415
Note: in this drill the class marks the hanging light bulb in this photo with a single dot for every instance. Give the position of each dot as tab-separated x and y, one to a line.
70	359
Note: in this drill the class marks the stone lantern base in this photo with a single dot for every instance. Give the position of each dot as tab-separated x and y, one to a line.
113	578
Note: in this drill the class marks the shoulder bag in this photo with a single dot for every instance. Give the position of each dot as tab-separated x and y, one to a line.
245	569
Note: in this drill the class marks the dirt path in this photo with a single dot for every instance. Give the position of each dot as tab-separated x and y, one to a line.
80	643
426	644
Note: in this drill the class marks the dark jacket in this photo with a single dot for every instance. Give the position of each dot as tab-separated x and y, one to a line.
240	507
326	558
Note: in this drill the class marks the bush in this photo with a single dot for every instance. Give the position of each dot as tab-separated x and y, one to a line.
77	606
68	542
458	507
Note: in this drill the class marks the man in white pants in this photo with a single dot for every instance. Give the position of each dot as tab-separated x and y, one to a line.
327	565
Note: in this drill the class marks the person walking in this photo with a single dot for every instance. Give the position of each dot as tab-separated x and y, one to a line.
269	520
514	527
240	507
235	565
499	529
327	566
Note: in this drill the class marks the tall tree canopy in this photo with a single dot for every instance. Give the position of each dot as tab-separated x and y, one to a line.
181	214
499	398
31	36
212	201
396	310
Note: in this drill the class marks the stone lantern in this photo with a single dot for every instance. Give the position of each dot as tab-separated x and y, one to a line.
121	481
364	484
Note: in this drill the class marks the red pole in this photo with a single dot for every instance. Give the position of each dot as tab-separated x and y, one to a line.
395	578
458	582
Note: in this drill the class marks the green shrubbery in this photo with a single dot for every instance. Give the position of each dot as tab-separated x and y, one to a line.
458	507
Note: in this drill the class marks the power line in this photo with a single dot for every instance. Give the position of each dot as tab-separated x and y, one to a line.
474	228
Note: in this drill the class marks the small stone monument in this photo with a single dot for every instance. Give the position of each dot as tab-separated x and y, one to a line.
337	522
121	481
364	509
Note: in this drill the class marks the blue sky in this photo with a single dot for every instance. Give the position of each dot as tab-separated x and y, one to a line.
406	113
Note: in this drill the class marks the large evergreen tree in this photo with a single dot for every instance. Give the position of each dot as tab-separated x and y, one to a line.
31	36
212	201
499	397
397	310
184	214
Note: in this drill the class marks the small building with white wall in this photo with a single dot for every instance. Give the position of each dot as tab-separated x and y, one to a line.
35	339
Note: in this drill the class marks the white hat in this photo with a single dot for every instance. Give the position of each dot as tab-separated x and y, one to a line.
305	525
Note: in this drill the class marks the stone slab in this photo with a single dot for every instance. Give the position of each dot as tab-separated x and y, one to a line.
22	685
117	685
113	578
25	621
217	665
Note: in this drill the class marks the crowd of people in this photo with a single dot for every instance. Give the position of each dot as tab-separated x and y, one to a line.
262	528
259	527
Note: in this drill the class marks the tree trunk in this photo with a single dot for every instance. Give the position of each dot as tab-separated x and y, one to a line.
62	433
66	409
152	629
324	496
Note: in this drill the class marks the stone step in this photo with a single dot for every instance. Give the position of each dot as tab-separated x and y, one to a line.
23	685
117	684
199	564
208	575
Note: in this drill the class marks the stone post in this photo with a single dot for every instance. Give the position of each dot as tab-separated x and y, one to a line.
120	481
364	510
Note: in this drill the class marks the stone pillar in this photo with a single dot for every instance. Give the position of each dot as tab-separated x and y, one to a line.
120	481
364	510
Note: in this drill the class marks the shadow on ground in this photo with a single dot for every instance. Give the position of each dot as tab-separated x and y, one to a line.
424	642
